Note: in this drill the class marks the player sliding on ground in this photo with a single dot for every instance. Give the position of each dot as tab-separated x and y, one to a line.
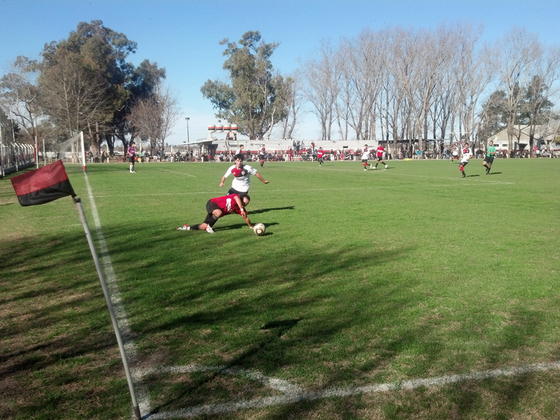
219	207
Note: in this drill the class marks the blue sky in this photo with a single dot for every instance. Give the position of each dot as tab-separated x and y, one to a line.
183	36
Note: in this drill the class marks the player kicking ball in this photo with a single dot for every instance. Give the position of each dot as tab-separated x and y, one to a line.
219	207
379	156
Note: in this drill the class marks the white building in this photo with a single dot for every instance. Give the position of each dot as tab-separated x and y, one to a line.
545	137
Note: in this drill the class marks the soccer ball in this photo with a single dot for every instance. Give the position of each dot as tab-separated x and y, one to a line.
259	229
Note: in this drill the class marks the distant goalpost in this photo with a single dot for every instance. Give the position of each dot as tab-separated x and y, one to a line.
69	151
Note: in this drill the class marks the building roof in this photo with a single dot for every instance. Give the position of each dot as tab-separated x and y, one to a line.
545	133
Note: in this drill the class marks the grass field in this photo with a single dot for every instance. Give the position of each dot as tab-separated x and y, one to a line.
406	293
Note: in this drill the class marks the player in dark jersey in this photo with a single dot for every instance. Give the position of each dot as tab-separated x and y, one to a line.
489	159
219	207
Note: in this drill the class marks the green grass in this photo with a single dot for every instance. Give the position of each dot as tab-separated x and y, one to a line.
362	278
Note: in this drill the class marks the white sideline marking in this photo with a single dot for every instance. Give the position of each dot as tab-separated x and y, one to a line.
293	394
142	394
274	383
177	172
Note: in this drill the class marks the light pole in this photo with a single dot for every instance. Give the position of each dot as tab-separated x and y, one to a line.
188	139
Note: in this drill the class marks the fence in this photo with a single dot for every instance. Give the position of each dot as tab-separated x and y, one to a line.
15	157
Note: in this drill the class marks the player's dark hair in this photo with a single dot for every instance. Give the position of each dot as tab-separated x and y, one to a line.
238	156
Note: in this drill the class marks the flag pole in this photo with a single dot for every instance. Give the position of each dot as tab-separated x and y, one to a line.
82	215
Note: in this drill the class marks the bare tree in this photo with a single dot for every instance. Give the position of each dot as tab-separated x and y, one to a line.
294	102
516	59
321	87
19	94
154	116
473	75
73	94
360	84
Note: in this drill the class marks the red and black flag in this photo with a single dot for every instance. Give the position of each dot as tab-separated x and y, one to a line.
43	185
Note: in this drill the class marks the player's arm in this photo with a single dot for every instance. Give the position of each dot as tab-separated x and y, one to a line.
223	181
261	178
242	211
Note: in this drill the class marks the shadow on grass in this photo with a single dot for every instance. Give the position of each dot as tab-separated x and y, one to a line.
221	296
280	328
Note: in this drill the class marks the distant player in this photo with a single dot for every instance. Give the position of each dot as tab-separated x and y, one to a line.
454	154
240	151
131	153
489	159
466	156
320	155
365	157
379	155
262	155
219	207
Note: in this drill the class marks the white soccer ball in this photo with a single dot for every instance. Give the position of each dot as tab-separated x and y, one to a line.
259	229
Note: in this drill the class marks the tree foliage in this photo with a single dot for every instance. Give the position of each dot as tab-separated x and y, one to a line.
83	83
256	98
153	116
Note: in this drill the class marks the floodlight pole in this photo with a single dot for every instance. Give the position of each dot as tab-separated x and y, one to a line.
188	139
82	215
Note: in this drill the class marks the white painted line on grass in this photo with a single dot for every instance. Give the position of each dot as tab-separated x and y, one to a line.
293	394
142	394
177	172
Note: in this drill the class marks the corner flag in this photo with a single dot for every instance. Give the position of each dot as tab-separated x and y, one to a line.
43	185
50	183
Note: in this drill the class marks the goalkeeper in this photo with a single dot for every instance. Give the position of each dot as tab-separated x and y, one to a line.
489	159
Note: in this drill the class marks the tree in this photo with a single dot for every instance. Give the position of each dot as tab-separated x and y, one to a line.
152	118
85	80
294	101
141	84
493	115
252	100
536	104
516	59
20	96
321	87
74	95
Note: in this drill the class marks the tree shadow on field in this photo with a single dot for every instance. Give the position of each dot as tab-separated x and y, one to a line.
54	320
278	329
277	315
